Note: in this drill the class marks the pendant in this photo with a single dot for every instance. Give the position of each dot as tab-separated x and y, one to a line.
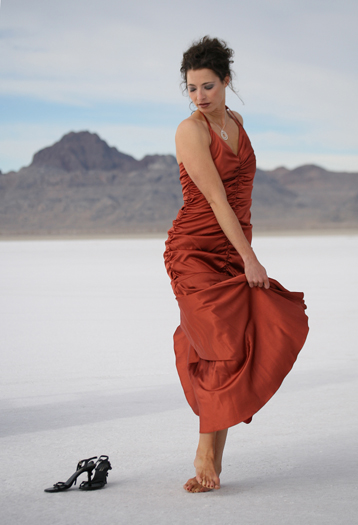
224	135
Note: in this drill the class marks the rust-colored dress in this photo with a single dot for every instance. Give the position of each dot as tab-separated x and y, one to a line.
235	344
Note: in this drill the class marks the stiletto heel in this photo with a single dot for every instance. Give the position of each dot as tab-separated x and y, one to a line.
100	475
85	465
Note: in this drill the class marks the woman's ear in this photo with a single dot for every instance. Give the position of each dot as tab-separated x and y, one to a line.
227	80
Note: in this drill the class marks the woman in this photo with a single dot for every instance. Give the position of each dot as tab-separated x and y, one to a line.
240	332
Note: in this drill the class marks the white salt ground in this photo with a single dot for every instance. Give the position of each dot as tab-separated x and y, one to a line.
87	368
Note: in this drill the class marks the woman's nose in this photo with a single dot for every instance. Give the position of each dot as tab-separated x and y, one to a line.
200	94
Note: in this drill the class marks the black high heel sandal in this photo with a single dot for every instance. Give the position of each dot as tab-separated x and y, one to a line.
85	465
100	475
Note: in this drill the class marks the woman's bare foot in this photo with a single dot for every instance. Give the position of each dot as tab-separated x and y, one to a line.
205	471
192	485
208	462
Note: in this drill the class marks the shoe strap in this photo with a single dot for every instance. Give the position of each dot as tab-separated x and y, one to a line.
84	462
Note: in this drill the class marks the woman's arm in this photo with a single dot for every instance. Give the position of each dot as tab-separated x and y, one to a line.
193	149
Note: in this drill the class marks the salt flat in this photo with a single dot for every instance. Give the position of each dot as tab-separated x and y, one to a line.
87	368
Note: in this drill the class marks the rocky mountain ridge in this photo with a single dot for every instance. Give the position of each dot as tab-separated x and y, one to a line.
82	186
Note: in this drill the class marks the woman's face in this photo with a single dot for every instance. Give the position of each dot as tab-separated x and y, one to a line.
206	90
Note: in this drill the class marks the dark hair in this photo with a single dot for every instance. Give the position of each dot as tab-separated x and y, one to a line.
208	53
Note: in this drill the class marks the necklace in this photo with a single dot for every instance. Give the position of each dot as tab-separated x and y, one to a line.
223	133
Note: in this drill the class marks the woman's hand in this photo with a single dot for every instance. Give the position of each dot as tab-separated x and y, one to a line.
256	274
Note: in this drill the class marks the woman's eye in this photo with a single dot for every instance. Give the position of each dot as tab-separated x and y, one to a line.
209	87
191	90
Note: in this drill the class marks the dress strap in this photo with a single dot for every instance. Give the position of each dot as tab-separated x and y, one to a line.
211	131
233	116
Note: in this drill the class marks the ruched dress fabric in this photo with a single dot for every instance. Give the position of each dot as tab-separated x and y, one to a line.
235	344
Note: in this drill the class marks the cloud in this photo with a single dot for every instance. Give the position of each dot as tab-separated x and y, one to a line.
295	60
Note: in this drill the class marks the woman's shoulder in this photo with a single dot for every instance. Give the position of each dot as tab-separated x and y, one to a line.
193	125
238	116
192	137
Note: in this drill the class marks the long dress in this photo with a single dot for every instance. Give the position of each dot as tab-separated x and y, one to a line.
235	344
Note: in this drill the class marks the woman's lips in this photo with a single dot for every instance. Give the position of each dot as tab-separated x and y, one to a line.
204	105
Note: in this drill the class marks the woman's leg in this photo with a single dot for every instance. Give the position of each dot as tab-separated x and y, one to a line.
219	449
208	462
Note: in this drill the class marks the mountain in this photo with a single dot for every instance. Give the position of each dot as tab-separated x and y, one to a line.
82	186
311	197
82	151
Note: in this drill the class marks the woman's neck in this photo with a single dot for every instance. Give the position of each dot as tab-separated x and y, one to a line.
218	116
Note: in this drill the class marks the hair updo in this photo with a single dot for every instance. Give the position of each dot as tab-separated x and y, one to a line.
208	53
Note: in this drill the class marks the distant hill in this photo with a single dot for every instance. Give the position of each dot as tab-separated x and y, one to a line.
82	151
81	186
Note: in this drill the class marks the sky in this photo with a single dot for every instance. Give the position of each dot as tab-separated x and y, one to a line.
112	68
